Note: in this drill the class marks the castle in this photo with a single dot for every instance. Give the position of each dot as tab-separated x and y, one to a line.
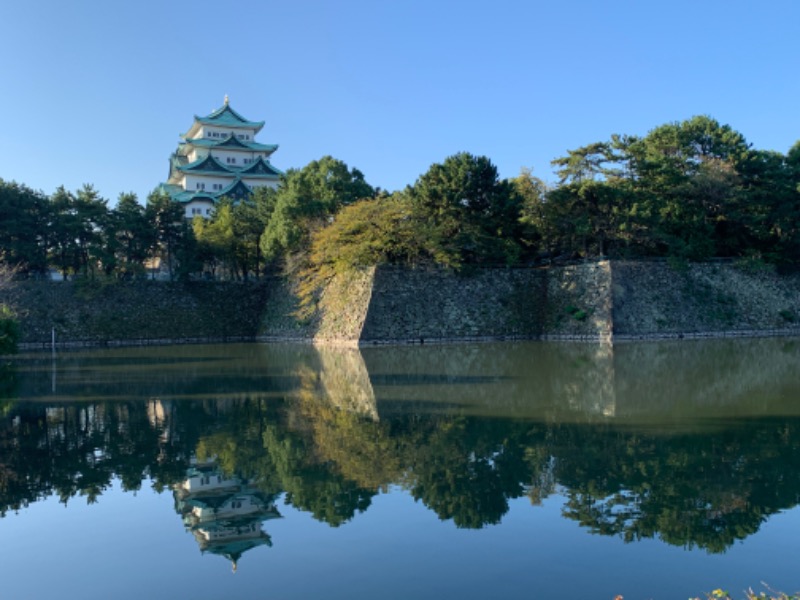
219	157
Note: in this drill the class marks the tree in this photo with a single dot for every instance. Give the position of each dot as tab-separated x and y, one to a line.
366	233
532	191
166	219
133	236
231	237
471	216
9	326
23	228
306	199
687	176
78	222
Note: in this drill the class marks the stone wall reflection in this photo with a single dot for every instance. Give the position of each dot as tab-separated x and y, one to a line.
641	440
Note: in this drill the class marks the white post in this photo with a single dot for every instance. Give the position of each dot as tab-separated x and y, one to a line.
53	343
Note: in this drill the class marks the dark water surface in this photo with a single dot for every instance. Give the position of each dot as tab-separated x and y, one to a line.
526	470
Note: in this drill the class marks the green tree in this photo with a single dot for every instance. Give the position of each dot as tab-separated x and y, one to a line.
92	219
23	228
305	201
9	331
133	236
687	176
231	237
471	216
370	232
78	223
536	230
165	218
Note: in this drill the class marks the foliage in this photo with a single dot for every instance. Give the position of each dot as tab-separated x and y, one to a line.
132	237
688	190
305	201
576	313
172	238
24	216
537	231
469	215
230	240
769	594
363	234
9	330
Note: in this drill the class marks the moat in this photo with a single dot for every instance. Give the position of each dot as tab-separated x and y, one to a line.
651	470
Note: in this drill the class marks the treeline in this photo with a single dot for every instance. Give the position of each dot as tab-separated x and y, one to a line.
688	191
78	234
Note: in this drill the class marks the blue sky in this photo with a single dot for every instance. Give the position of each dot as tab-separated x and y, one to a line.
99	92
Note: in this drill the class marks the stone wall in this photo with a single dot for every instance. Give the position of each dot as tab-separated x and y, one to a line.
419	305
652	299
593	301
579	302
86	313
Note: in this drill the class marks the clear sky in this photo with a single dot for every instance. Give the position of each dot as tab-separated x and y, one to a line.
99	91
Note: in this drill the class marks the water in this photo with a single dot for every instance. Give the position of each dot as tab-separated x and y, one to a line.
477	471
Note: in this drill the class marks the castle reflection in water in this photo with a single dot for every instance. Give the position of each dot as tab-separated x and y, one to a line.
686	442
224	513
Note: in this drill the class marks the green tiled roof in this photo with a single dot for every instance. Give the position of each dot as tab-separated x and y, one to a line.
231	142
238	190
227	117
186	196
261	168
208	164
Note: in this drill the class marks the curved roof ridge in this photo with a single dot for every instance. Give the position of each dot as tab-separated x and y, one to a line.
203	164
248	145
260	166
226	116
237	190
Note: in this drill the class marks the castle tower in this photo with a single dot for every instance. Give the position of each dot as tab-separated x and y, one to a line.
219	157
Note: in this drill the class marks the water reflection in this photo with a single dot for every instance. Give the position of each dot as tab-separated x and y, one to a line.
693	443
225	513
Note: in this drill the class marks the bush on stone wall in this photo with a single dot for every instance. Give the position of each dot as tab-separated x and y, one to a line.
9	330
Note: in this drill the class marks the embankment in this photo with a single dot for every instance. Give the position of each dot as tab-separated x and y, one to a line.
597	301
145	312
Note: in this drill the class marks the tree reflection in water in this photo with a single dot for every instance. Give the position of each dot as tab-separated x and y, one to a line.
464	430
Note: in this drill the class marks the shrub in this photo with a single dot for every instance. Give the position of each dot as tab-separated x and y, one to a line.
9	330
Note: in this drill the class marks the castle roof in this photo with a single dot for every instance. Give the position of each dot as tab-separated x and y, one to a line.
178	194
231	143
261	168
224	116
238	190
208	165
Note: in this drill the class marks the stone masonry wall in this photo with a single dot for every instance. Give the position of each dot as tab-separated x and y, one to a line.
137	312
423	305
652	299
593	301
